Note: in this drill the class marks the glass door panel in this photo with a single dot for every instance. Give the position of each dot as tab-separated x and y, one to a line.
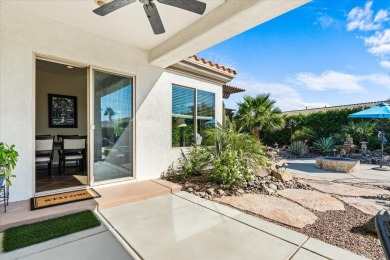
113	120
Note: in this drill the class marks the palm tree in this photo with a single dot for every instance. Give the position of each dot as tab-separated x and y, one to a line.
110	113
257	113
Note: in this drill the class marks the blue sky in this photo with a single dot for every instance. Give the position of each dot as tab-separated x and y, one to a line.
325	53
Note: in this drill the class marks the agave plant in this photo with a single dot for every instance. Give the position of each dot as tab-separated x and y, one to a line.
324	145
298	148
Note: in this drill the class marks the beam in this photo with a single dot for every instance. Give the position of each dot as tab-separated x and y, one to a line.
228	20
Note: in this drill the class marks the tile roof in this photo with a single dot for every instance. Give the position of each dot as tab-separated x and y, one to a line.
213	65
321	109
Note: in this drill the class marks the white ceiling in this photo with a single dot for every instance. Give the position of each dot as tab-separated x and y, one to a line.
128	24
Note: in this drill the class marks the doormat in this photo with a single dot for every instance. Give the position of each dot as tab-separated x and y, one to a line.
63	198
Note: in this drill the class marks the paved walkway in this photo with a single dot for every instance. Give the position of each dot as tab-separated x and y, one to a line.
306	168
181	226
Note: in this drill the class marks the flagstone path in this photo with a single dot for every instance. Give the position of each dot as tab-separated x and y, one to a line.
275	208
312	199
368	206
343	189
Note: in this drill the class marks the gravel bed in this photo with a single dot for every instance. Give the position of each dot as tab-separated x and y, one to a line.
344	229
341	228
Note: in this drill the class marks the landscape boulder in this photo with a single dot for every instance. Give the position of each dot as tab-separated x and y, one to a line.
282	175
262	171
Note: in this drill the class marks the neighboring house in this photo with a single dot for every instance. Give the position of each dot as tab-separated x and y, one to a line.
323	109
137	96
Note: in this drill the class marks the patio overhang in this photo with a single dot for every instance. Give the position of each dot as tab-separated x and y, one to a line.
228	90
186	33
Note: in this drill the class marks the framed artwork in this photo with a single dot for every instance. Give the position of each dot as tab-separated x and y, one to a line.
62	111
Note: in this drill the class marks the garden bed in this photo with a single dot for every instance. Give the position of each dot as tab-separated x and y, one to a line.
342	228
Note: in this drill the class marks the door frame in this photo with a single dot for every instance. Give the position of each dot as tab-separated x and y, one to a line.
90	116
91	125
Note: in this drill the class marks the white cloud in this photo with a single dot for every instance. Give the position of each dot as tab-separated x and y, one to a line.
385	64
364	19
379	43
326	21
329	80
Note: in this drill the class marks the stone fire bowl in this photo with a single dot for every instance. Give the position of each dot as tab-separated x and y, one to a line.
337	164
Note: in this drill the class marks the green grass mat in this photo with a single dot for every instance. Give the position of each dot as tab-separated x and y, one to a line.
30	234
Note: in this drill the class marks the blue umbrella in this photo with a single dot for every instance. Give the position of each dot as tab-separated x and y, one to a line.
381	110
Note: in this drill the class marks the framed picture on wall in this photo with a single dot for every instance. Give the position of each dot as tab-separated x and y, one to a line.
62	111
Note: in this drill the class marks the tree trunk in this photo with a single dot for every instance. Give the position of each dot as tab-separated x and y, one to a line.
256	133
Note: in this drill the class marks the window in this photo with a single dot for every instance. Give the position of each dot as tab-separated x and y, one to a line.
183	115
205	114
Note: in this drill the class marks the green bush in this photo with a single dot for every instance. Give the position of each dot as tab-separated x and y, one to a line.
324	145
232	159
306	133
321	124
229	169
298	148
196	161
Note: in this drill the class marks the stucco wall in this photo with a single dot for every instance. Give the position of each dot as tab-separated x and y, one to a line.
22	34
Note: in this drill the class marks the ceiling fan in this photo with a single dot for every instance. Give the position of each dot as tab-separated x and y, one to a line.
151	11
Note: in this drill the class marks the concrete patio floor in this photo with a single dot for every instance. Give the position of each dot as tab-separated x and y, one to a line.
305	168
179	226
184	226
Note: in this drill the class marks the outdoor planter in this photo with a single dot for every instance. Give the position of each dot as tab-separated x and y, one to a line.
337	164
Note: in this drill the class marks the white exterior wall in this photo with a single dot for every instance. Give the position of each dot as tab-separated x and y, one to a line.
23	33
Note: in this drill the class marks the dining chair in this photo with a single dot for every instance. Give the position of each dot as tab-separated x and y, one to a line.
44	147
73	148
60	137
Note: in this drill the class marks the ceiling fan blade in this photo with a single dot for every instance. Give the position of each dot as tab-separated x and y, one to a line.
154	18
189	5
112	6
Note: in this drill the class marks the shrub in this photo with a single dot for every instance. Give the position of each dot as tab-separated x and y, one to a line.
196	161
306	133
229	169
324	145
232	159
298	148
359	130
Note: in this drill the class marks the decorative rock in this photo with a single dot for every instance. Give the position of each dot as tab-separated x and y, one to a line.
368	206
369	226
190	189
210	191
202	194
221	192
269	191
282	175
275	208
240	191
313	199
262	171
273	186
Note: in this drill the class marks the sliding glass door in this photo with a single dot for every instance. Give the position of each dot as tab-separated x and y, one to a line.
113	126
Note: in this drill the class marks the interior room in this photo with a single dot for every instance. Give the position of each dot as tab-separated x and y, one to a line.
60	126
